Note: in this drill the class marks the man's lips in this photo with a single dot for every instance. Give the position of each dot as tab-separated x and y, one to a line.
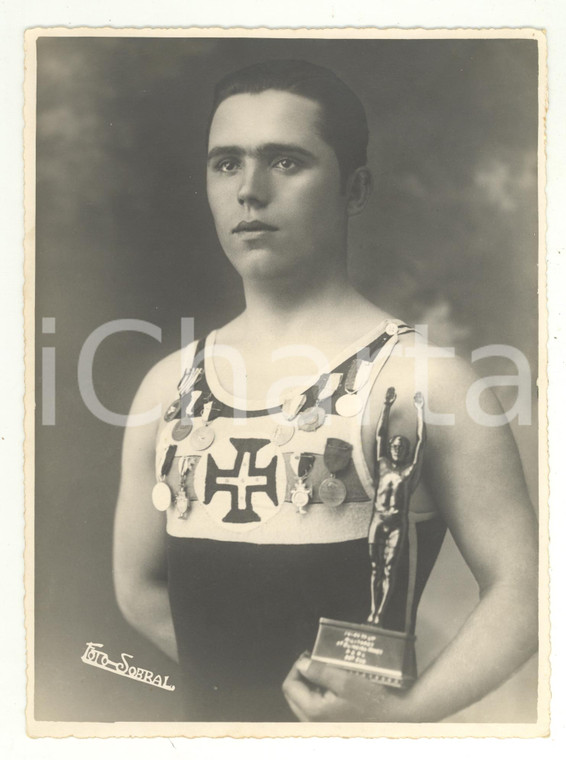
254	226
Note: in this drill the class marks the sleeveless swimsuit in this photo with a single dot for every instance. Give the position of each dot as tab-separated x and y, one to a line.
257	552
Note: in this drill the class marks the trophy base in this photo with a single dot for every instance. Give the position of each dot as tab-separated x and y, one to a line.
387	657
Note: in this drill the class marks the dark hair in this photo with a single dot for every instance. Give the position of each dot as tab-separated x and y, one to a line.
343	124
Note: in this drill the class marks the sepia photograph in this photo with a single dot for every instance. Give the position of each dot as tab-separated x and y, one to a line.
286	328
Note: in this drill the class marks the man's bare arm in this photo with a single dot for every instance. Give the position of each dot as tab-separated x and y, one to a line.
140	568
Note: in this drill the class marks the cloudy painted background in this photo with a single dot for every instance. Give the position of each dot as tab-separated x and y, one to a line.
123	231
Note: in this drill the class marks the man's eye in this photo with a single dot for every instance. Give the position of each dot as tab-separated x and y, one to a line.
286	164
227	166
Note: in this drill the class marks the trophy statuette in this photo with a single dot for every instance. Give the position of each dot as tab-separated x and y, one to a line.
385	656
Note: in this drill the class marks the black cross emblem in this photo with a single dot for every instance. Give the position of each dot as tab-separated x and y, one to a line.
243	480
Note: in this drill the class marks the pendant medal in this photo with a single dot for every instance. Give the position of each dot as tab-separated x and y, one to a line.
181	504
181	499
282	434
300	496
311	419
337	456
172	410
203	437
161	496
332	492
184	426
181	430
349	405
301	464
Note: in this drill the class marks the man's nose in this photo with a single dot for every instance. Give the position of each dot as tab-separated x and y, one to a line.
254	186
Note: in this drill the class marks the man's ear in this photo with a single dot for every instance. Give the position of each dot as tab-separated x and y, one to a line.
358	190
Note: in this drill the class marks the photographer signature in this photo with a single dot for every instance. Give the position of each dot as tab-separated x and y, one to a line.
94	655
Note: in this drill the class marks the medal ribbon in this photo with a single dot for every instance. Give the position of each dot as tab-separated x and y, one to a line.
190	377
302	464
328	385
337	455
187	464
167	461
357	375
350	377
209	408
189	405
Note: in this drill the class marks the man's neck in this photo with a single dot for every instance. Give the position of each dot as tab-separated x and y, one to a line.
295	307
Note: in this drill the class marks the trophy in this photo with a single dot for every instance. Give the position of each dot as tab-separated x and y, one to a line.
385	656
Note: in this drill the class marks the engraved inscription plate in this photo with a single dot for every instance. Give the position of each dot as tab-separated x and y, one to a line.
385	656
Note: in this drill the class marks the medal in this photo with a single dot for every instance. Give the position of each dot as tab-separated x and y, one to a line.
300	498
292	406
282	434
161	496
301	464
172	410
182	429
392	328
181	504
337	456
348	405
186	464
161	493
332	492
184	426
203	436
311	419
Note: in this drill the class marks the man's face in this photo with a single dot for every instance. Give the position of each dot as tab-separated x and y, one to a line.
398	449
274	185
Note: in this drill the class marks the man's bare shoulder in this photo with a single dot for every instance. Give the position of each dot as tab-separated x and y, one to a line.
445	379
159	386
418	362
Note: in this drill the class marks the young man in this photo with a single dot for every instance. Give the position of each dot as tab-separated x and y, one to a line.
260	540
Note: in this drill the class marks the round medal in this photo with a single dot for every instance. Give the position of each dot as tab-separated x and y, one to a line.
161	496
348	405
311	419
300	498
202	437
392	328
172	410
332	492
282	434
181	430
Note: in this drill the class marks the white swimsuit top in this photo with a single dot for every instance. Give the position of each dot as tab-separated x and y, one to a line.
237	472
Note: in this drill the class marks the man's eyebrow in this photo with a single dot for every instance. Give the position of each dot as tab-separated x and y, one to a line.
260	151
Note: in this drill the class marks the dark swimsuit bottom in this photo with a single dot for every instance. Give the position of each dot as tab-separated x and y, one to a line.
244	612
